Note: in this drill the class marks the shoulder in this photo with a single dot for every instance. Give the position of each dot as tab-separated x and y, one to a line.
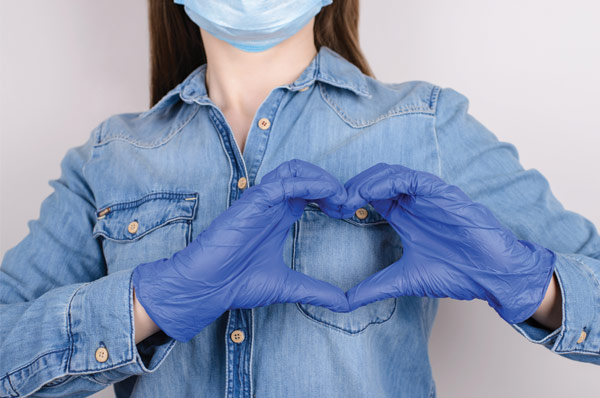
153	127
147	129
386	100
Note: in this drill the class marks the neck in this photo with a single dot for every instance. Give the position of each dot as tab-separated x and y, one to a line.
238	81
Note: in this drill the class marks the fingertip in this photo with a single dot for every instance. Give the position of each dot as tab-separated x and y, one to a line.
304	289
335	205
364	293
342	305
365	191
354	301
295	164
333	298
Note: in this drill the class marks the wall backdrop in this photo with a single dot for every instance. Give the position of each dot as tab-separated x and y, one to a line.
529	67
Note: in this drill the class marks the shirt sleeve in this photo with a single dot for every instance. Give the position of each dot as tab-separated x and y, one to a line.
66	326
489	172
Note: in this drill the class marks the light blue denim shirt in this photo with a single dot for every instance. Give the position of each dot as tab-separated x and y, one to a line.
145	184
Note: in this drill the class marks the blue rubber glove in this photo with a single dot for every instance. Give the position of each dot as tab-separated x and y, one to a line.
453	247
237	262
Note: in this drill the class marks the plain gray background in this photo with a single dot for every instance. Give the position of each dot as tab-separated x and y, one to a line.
529	67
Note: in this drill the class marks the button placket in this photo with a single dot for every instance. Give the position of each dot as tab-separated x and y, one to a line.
245	167
237	336
261	131
239	347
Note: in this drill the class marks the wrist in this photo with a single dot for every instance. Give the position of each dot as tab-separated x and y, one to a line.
549	313
144	326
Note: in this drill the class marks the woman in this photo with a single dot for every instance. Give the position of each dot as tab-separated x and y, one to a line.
182	254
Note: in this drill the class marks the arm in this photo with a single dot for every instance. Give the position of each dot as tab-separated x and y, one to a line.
489	171
58	307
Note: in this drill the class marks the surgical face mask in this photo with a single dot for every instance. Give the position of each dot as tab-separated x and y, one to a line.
252	25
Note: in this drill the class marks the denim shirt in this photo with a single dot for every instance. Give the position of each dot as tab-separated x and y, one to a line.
145	184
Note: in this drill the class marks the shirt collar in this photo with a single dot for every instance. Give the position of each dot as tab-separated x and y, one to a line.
327	66
331	68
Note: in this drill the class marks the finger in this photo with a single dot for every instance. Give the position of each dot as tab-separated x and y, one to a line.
301	288
296	168
300	168
397	180
354	200
387	283
270	194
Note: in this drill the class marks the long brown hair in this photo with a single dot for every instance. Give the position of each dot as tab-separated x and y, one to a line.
176	47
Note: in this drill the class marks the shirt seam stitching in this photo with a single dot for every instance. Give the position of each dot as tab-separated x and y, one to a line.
155	144
227	204
10	374
434	103
418	110
69	327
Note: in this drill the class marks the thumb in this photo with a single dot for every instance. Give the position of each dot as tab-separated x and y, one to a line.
389	282
301	288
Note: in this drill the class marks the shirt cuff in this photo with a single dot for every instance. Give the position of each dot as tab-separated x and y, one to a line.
101	328
579	332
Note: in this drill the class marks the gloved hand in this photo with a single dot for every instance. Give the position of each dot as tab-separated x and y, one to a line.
453	247
237	262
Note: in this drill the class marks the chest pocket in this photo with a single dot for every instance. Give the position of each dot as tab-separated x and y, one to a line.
150	228
343	253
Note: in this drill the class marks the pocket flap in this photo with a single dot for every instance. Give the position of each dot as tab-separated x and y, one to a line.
131	220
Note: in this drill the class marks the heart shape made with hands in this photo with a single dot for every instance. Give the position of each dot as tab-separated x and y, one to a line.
452	247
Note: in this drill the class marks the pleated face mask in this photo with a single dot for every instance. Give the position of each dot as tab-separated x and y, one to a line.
252	25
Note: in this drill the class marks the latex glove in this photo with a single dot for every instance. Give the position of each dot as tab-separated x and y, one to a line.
452	246
237	262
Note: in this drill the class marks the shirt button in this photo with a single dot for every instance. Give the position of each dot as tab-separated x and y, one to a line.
264	123
582	337
304	88
101	354
237	336
242	182
361	213
133	227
